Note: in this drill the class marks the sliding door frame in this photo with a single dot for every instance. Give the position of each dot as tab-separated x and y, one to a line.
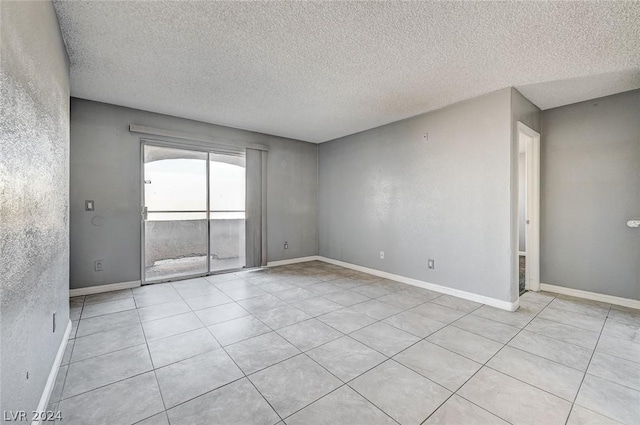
143	212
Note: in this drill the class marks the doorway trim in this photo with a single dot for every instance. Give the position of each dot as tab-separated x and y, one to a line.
532	154
226	150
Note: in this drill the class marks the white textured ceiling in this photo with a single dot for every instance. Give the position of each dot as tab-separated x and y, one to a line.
316	71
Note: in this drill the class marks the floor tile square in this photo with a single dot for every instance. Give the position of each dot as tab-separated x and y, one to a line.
309	334
622	348
123	402
406	396
566	333
372	291
610	399
106	342
195	376
317	306
346	358
107	322
281	316
261	351
107	307
323	288
487	328
582	321
622	330
294	295
377	309
346	320
208	300
237	330
438	312
582	306
343	406
402	299
614	369
442	366
169	326
221	313
98	371
459	411
293	384
264	302
182	346
236	403
385	338
414	323
465	343
552	349
581	416
552	377
346	298
630	316
514	401
160	311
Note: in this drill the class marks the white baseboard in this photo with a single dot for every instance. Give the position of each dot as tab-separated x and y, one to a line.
594	296
503	305
77	292
294	261
53	373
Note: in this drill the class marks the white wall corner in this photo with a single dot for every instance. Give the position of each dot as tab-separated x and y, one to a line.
53	373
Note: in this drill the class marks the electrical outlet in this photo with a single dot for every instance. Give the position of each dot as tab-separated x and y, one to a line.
431	263
382	255
286	245
98	265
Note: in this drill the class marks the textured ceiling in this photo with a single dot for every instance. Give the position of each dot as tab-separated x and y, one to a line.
316	71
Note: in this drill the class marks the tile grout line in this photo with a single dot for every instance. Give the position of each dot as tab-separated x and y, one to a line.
291	303
233	360
484	365
587	368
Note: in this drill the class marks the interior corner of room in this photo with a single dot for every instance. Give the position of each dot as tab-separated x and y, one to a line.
523	184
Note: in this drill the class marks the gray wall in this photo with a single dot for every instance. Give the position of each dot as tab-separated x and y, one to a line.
448	198
105	167
34	181
590	187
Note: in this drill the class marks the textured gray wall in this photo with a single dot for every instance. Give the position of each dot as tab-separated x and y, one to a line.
34	188
590	187
447	198
105	167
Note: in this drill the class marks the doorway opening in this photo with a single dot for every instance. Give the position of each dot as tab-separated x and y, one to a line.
528	263
193	212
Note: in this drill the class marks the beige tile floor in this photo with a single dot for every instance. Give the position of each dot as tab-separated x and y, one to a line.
314	343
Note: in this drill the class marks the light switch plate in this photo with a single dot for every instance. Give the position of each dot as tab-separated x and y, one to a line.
89	206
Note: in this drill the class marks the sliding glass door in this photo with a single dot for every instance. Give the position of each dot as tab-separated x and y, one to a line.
193	212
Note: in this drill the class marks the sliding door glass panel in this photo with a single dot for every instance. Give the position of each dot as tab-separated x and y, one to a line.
227	211
175	225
